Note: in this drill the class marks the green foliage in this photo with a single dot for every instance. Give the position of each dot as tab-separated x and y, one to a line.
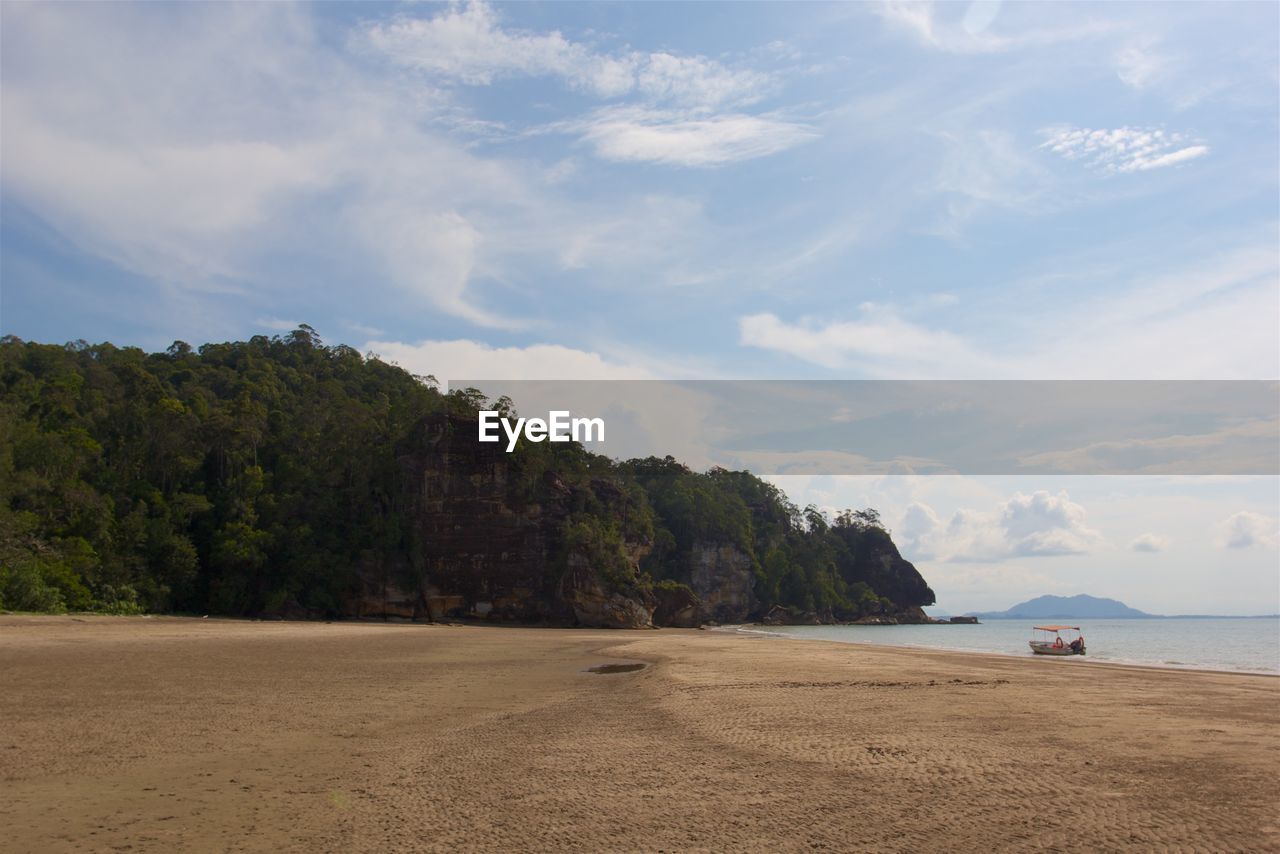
231	478
256	476
598	542
803	561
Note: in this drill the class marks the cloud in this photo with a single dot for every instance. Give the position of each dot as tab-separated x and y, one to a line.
973	32
472	360
1045	524
880	344
121	135
988	169
469	45
684	110
166	207
637	134
1211	319
826	463
1149	543
1139	65
429	254
1037	525
1246	530
1123	149
1246	447
277	324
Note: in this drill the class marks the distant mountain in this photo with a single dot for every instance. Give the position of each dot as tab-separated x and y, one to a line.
1065	607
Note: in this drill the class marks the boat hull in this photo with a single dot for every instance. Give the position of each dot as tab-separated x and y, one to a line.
1042	648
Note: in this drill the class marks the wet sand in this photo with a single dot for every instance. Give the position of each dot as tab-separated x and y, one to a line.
163	734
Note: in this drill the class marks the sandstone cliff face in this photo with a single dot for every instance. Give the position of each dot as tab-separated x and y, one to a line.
495	537
491	544
597	606
677	606
721	576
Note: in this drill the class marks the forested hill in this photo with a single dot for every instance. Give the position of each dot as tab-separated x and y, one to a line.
282	477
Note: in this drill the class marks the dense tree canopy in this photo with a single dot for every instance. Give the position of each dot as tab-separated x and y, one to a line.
235	477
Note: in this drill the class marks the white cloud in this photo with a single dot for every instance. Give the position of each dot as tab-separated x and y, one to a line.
278	324
430	254
696	80
467	44
1044	524
973	32
473	360
636	134
1037	525
685	110
1138	65
1247	529
1149	543
470	45
881	344
165	207
987	169
1211	320
122	135
1123	149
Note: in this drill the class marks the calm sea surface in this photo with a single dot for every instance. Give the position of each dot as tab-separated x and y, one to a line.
1251	645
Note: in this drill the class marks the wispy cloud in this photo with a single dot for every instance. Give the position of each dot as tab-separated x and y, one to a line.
975	30
638	134
470	45
679	110
473	360
1140	64
277	324
113	139
880	343
1138	327
1123	149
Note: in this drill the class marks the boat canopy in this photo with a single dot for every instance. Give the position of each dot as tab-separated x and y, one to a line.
1057	628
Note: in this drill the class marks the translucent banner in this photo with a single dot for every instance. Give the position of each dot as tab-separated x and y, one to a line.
905	427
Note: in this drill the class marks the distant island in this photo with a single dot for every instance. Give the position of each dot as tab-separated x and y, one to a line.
1065	607
1088	607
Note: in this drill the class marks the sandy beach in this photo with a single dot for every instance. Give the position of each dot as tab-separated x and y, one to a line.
159	734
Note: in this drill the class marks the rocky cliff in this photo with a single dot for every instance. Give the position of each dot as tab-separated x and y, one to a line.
505	537
279	477
722	577
492	542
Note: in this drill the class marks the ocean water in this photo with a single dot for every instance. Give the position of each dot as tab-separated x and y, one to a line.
1209	643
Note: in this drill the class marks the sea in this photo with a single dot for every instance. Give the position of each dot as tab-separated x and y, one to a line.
1242	644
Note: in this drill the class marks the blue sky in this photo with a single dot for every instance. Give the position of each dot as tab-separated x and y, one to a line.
565	190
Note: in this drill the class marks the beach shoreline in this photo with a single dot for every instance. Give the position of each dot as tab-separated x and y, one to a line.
162	733
763	630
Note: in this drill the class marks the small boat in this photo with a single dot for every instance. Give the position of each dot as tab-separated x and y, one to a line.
1053	643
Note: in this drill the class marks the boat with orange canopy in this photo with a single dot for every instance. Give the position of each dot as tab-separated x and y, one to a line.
1051	642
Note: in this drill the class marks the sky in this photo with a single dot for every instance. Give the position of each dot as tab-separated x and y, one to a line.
702	191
